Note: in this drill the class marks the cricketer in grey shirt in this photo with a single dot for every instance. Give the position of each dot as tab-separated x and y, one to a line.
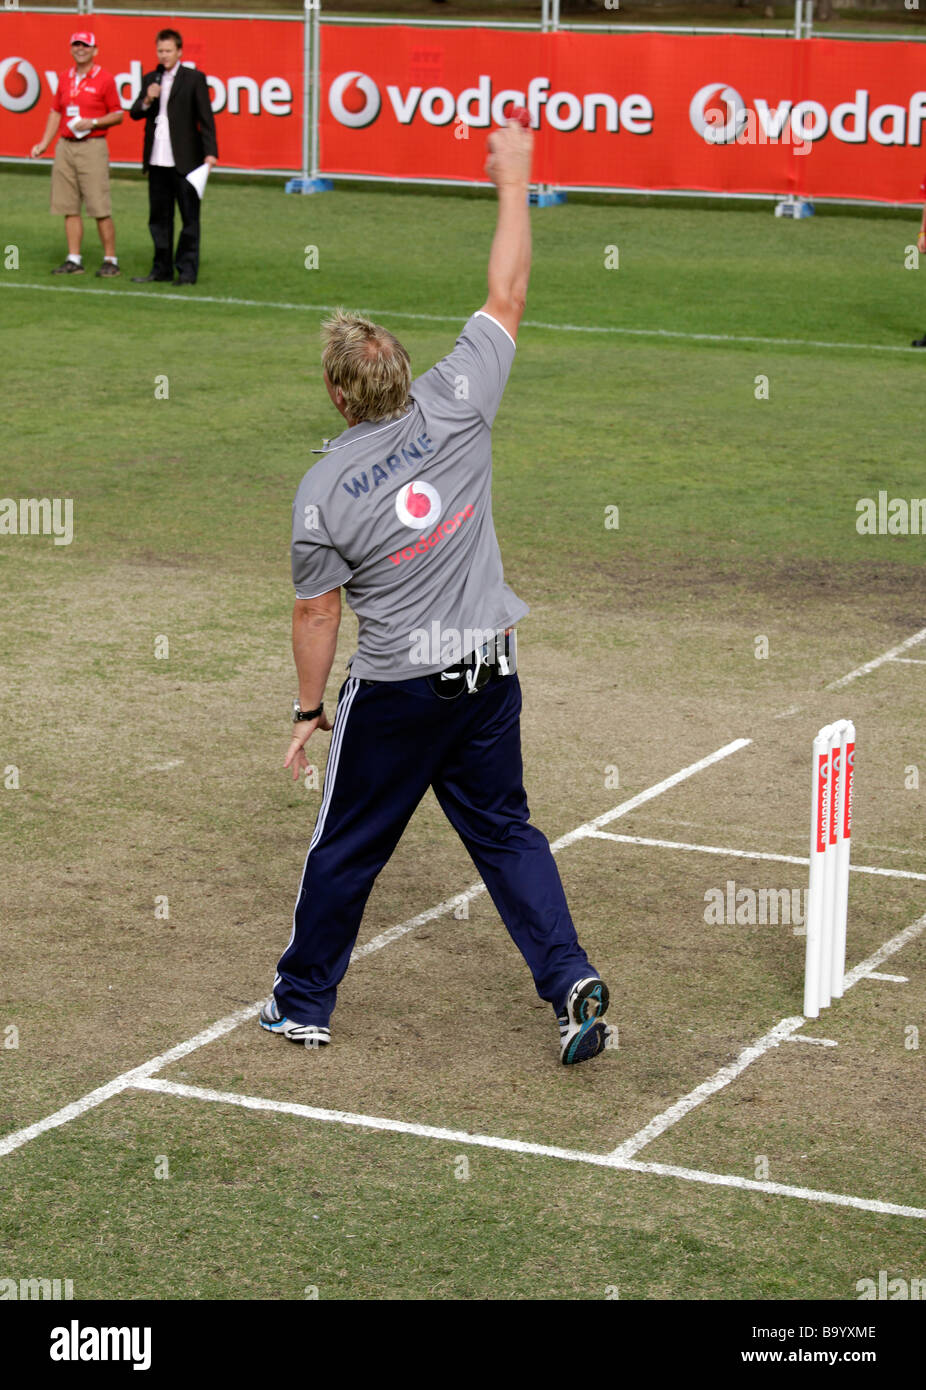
400	513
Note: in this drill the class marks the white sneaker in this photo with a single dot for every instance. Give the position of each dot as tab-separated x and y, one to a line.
306	1033
583	1032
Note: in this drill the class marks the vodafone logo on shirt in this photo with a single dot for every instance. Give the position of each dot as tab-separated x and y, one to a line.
415	494
418	505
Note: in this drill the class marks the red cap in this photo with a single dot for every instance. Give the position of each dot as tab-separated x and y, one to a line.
83	36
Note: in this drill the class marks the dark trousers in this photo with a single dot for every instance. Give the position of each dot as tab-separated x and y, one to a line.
392	740
165	188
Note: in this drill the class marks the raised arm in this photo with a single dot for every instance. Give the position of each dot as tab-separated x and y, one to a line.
509	168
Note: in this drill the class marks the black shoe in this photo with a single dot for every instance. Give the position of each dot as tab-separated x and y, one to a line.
184	280
69	268
583	1032
919	342
147	279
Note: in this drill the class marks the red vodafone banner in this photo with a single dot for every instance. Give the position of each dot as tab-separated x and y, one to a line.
253	66
720	113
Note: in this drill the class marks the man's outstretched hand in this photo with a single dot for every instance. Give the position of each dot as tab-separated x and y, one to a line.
302	732
510	151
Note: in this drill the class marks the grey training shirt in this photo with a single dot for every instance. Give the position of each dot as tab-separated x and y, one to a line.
400	513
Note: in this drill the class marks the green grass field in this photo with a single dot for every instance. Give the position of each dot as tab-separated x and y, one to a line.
126	779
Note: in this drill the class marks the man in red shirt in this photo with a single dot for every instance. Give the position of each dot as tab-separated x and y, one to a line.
88	101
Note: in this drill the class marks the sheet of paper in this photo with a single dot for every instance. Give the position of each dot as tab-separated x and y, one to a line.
198	177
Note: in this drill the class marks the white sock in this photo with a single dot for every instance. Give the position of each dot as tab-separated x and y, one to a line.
114	260
72	257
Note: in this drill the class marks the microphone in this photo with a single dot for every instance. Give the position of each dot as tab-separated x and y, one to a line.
159	72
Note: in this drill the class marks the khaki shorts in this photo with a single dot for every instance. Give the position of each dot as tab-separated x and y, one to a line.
81	171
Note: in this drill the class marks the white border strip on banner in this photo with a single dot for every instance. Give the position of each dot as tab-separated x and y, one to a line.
600	188
487	187
786	33
413	22
416	22
177	14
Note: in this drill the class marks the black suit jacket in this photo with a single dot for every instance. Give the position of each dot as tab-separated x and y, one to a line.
189	116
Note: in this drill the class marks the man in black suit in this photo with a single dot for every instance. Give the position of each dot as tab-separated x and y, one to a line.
179	136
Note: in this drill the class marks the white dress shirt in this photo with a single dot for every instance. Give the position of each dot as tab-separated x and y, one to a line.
161	152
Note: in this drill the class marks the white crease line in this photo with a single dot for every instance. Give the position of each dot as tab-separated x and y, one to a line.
163	767
880	660
624	809
660	1123
889	948
814	1042
751	830
909	660
520	1146
590	827
344	1117
725	1075
780	1189
429	915
159	297
891	979
9	1142
225	1025
744	854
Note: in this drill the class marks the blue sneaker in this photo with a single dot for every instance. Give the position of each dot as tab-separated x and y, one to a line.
583	1032
306	1033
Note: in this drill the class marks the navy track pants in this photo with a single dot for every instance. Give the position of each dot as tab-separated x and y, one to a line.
392	740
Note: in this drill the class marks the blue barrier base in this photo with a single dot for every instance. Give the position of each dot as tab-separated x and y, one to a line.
301	185
794	207
547	199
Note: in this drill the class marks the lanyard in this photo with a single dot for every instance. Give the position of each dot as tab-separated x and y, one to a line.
76	81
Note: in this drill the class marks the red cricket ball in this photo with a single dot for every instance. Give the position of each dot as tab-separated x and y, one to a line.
519	113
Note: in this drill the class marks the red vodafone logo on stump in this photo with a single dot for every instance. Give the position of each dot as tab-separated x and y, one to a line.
417	505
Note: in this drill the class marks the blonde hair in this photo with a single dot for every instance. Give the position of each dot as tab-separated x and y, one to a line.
369	364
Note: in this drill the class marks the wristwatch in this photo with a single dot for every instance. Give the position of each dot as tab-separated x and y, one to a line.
301	714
